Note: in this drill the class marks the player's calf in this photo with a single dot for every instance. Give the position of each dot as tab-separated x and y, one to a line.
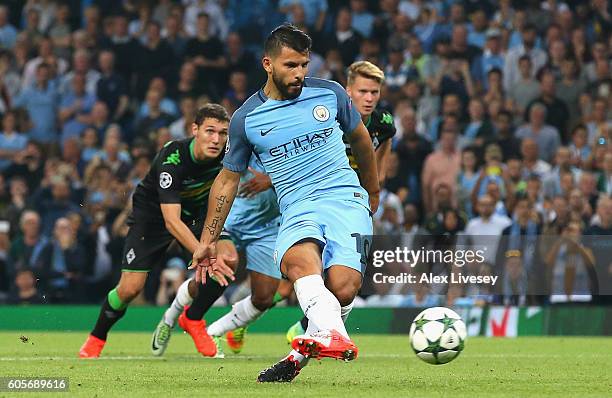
113	309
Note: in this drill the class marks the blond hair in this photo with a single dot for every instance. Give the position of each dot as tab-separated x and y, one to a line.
365	69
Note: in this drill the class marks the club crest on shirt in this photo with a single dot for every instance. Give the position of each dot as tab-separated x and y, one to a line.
320	113
165	180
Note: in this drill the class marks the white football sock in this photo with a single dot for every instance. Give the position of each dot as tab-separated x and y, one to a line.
242	314
346	310
301	359
319	304
179	303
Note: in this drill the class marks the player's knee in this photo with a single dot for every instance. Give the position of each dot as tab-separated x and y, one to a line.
345	292
128	292
262	302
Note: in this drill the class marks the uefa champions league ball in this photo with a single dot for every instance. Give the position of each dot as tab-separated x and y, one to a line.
437	335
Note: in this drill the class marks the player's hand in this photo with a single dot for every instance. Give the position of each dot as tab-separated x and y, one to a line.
374	201
259	183
204	261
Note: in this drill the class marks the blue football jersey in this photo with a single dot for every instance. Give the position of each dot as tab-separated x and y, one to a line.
299	142
249	215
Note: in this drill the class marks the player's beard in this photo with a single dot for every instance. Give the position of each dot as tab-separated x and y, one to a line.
283	88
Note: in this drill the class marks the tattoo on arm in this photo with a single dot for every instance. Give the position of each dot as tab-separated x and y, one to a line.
212	227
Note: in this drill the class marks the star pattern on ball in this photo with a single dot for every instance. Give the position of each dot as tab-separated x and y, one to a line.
447	322
420	323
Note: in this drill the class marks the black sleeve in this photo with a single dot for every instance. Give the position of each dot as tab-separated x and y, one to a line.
387	127
168	168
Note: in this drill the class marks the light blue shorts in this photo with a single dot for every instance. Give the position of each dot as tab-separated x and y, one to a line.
337	225
258	247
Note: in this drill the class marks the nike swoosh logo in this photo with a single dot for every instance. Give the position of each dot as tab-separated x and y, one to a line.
153	342
264	133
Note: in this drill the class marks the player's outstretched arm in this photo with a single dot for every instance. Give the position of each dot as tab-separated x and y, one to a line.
172	218
361	146
220	201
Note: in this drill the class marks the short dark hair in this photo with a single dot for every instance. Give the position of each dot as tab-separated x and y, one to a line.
287	35
211	111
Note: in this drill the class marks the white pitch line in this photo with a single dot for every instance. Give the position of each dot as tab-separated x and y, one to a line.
243	357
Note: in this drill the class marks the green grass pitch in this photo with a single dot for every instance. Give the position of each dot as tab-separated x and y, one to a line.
521	367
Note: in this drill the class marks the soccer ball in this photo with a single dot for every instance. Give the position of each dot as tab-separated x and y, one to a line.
437	335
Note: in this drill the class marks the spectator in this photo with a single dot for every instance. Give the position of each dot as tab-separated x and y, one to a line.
8	33
181	128
155	118
546	136
187	83
528	47
441	167
552	182
587	183
54	202
60	32
504	136
477	31
112	154
480	128
99	118
515	280
363	20
156	58
491	58
454	78
28	164
124	47
31	31
397	71
524	88
569	263
173	34
315	12
61	264
26	248
19	199
451	107
241	59
459	46
167	104
80	65
601	121
557	53
466	180
11	141
532	164
486	229
237	93
345	38
75	108
604	182
557	114
206	52
579	147
599	53
569	89
46	55
41	100
417	58
111	88
170	280
25	291
195	8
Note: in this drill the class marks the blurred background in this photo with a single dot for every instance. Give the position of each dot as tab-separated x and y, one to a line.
502	109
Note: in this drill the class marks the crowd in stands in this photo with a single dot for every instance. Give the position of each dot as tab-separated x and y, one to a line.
503	112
